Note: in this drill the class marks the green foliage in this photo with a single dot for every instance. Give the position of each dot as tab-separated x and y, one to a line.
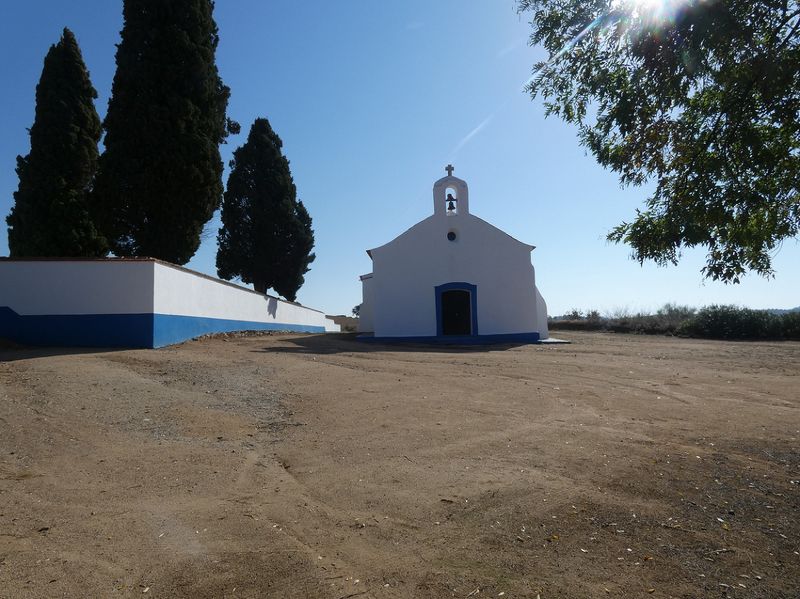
705	106
266	236
593	316
732	322
51	215
791	325
357	310
160	177
672	316
711	322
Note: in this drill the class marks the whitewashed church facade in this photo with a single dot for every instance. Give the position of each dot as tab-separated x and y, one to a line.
453	277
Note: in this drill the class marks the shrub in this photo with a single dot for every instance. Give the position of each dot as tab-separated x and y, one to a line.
733	322
711	322
790	325
674	315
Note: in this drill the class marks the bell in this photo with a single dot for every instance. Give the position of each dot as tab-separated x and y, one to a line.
451	206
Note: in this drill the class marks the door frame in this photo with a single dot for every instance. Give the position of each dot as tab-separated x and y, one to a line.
473	300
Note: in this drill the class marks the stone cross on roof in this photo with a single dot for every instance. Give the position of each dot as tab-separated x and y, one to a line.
449	168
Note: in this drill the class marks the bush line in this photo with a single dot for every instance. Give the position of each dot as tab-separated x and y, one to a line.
710	322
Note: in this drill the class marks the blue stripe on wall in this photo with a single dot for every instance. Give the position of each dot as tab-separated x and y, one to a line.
78	330
169	329
124	330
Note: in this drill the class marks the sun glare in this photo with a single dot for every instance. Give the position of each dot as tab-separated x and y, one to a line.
650	10
635	15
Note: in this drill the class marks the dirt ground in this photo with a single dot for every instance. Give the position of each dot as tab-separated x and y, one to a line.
320	466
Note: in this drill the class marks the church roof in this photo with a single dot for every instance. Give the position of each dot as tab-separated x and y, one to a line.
479	219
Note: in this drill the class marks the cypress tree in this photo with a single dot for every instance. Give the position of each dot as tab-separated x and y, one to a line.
266	236
51	215
160	176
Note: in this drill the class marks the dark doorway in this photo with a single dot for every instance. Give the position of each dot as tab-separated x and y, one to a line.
456	313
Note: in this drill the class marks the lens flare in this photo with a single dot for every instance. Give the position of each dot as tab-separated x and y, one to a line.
644	5
622	17
651	12
635	15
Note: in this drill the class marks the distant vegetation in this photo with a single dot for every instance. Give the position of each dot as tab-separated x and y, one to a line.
710	322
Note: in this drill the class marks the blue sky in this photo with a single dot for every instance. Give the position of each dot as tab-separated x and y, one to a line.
372	100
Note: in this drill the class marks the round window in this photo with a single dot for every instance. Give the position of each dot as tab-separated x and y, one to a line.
451	236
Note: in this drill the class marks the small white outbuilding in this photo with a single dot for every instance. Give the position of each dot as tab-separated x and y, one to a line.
453	277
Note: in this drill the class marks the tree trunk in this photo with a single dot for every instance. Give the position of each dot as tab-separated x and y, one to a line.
260	285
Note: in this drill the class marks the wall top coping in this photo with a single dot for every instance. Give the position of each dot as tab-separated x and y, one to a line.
162	263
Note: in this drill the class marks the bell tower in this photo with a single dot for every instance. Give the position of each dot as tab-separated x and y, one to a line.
450	195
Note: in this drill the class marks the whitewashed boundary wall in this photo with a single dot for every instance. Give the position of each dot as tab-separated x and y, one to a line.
133	303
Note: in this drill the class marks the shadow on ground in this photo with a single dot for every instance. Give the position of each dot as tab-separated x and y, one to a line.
330	343
11	352
338	343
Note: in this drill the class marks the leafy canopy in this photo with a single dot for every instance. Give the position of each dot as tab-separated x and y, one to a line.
266	236
701	98
51	214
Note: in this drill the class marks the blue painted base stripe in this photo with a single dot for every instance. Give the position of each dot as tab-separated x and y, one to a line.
124	330
78	330
458	340
169	329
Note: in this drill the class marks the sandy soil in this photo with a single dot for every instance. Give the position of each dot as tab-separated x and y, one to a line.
310	466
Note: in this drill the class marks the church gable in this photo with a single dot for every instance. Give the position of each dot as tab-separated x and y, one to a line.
452	275
449	237
451	221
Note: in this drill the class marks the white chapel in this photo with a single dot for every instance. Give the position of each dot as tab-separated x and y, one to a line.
453	277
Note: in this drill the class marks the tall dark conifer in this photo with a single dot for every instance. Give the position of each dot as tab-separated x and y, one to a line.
51	215
160	176
266	236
